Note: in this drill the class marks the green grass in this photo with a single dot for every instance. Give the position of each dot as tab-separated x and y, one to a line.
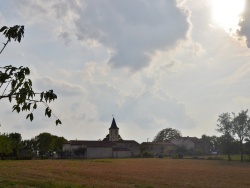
246	158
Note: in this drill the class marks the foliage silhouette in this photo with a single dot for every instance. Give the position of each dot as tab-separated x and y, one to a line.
167	135
17	86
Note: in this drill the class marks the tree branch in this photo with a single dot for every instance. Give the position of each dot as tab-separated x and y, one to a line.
5	44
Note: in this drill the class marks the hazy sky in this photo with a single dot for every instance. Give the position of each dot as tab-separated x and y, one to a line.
151	64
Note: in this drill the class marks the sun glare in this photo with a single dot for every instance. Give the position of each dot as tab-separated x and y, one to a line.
226	13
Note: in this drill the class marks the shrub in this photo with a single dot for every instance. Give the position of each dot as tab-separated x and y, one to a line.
214	158
160	155
179	156
147	154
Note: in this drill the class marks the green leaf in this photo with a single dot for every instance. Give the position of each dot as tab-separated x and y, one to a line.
58	122
18	109
19	37
48	112
14	108
41	95
10	97
3	28
31	117
35	106
30	82
28	106
13	84
27	70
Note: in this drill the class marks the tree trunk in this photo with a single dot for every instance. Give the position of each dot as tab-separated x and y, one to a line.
229	150
229	156
241	151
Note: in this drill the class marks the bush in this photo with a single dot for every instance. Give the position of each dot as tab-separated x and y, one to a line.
147	154
160	156
179	156
214	158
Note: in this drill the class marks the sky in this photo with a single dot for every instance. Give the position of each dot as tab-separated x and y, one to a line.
150	64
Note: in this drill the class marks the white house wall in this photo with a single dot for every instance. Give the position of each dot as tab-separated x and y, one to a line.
121	154
99	152
135	148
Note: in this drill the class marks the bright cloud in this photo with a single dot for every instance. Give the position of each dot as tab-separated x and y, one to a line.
245	23
121	26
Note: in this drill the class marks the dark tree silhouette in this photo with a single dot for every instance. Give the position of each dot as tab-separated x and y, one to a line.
17	87
241	128
167	134
225	127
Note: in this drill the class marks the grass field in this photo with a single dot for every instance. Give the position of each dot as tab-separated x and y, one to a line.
124	173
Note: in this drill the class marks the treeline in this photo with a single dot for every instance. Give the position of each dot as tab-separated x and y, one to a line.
219	145
44	145
233	127
234	139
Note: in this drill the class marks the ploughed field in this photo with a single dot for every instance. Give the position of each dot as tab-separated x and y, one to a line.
124	173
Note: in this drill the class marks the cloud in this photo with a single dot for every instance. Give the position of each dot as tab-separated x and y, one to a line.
133	30
61	88
245	23
147	110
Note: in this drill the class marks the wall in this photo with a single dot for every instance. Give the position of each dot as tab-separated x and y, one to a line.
121	154
99	152
134	147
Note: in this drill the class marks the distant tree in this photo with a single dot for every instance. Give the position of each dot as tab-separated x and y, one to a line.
247	147
208	143
17	86
223	145
44	144
30	148
5	145
215	143
48	144
225	127
16	141
212	143
241	128
57	143
167	134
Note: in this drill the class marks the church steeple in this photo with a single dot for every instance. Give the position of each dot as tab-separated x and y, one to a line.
113	131
113	124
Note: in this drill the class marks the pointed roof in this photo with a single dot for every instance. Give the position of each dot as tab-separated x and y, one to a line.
113	124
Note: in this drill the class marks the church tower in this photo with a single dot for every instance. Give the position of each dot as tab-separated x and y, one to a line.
113	131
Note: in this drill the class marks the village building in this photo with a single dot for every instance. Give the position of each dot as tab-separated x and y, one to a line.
110	147
113	146
158	148
189	143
